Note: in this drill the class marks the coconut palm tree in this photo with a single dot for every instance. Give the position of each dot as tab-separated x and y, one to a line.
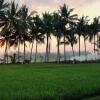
80	31
85	31
68	18
47	28
14	25
21	34
36	34
95	28
9	28
4	41
39	35
57	31
3	9
3	21
71	38
24	28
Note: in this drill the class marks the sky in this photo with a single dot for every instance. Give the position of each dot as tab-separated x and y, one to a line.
82	7
89	8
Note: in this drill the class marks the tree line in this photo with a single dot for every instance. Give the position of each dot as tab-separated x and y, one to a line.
18	26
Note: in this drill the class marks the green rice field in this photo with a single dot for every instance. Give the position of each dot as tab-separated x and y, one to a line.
50	82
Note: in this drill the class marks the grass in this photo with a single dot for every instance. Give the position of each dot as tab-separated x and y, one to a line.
49	81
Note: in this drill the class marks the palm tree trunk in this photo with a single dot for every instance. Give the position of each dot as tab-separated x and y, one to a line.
31	52
5	54
73	52
79	46
64	49
49	48
46	57
19	51
24	51
94	46
36	52
58	49
98	43
85	49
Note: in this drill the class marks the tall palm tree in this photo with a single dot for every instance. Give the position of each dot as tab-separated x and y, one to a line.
3	9
21	30
95	28
80	31
39	35
4	41
47	28
85	32
15	22
71	38
36	33
3	21
24	29
68	18
9	28
57	31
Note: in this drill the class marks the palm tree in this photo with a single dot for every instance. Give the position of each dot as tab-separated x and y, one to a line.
3	22
36	34
57	31
47	28
39	35
4	41
98	43
39	40
24	29
3	9
9	28
67	18
85	30
95	28
80	31
21	34
15	23
70	38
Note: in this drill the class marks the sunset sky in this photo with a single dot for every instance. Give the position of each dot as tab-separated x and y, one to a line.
89	8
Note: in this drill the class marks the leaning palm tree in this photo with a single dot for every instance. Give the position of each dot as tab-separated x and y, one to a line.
68	18
57	31
47	28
